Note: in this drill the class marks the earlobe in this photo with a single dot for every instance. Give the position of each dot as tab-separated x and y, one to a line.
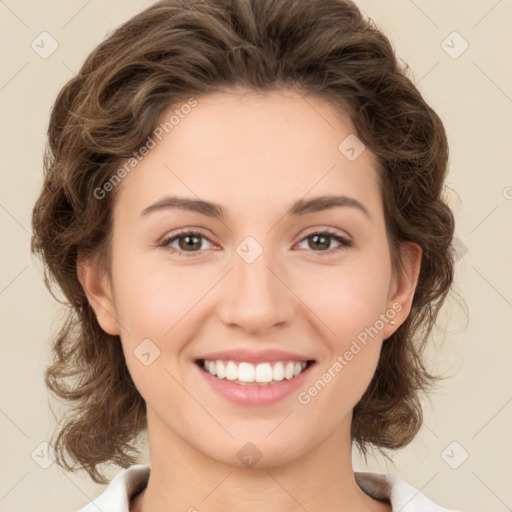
402	294
98	290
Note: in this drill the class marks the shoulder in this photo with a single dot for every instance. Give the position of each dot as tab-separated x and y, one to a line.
116	497
402	496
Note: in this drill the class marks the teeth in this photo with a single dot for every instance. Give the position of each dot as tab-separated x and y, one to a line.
278	371
288	371
261	373
245	372
212	367
231	371
220	369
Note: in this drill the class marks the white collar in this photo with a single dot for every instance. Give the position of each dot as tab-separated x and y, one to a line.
385	486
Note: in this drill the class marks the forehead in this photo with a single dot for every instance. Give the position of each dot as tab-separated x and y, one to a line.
253	153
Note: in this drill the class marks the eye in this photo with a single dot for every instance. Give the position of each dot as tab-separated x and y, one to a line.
323	239
187	241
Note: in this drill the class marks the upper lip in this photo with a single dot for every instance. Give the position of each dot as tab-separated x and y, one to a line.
250	356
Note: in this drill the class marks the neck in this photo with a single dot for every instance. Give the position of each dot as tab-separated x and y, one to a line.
183	478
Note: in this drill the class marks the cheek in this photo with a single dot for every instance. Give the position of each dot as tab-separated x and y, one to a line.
157	301
154	296
348	298
353	313
152	303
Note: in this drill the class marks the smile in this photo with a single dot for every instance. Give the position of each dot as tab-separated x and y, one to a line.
262	374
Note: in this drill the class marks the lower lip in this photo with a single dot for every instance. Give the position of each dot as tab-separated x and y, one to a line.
254	394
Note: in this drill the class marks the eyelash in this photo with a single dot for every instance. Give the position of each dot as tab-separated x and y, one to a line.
345	243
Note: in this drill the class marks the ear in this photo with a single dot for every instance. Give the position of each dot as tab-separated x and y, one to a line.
98	289
403	286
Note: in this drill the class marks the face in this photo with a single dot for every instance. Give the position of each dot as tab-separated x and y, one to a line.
278	279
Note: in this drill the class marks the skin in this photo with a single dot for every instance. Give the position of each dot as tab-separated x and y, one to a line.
254	154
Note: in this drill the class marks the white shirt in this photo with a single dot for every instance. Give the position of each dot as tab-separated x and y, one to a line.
402	496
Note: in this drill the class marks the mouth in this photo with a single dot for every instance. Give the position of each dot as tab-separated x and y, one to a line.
245	373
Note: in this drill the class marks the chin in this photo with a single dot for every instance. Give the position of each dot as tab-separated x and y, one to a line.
258	451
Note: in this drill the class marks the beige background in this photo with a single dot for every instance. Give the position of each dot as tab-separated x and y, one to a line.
471	93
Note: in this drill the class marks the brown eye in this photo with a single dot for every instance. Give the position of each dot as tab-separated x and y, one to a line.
321	242
188	242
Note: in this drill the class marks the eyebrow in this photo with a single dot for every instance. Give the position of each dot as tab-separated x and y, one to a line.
299	208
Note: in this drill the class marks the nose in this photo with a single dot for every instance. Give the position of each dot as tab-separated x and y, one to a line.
256	297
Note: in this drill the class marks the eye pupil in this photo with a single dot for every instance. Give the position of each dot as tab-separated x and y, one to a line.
192	245
325	244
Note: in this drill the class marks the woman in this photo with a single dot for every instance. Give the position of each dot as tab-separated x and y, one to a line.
243	206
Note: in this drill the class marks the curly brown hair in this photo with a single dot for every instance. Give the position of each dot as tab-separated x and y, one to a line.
176	49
